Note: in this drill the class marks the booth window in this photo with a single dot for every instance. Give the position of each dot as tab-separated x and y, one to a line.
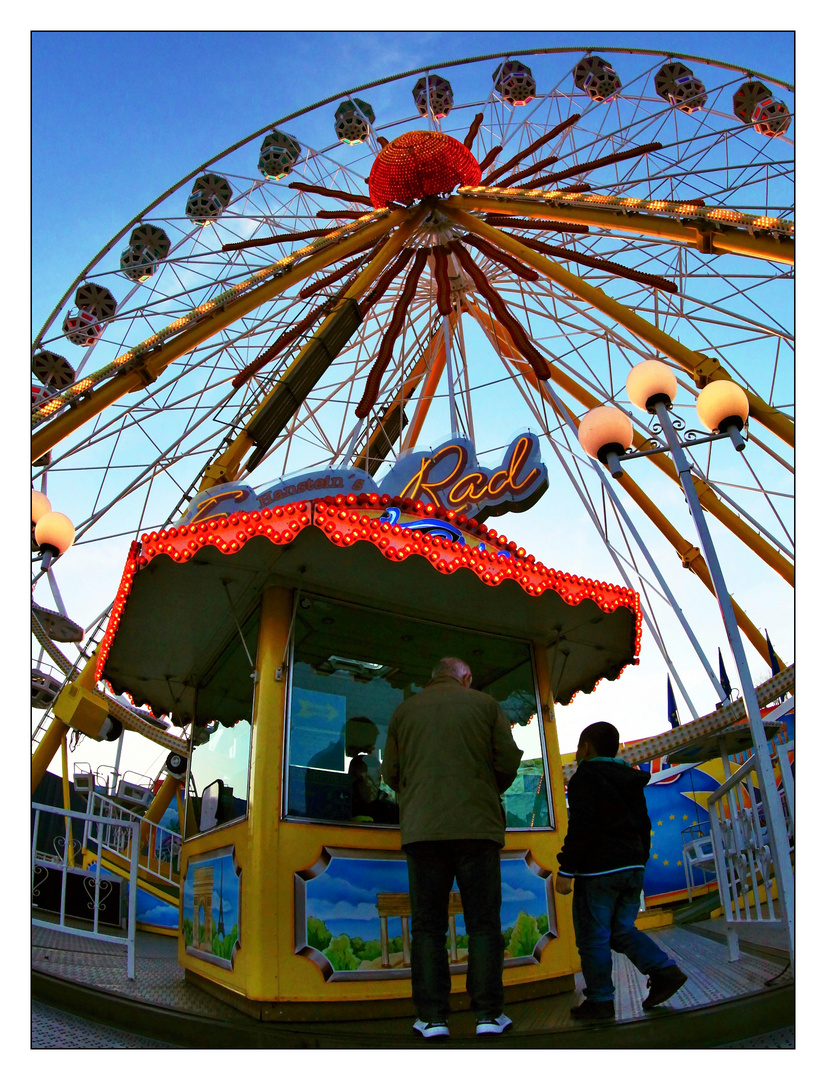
219	760
219	773
351	668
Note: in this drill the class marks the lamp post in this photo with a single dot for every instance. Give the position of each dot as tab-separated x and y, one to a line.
53	533
722	407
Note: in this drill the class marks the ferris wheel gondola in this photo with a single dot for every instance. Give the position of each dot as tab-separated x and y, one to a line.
502	251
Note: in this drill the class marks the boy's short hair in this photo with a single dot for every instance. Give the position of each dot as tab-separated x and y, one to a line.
604	738
360	734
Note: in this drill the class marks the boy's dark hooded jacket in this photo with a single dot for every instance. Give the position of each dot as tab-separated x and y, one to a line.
608	824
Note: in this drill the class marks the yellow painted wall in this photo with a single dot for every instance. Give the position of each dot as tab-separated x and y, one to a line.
270	852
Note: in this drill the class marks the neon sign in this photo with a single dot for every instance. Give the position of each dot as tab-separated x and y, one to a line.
451	478
235	498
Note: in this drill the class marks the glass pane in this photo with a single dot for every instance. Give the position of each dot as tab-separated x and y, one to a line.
219	767
219	760
526	800
351	668
338	727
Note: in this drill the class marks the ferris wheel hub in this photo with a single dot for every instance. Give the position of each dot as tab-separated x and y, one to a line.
419	164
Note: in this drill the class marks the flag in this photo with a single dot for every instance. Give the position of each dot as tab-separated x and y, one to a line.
673	717
726	685
775	663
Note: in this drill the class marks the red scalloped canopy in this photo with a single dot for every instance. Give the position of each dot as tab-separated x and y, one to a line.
172	641
418	164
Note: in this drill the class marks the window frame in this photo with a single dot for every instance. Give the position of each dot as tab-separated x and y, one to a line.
367	610
198	831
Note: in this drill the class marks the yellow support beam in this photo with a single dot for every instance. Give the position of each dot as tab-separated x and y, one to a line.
67	798
159	358
226	467
430	360
46	749
709	501
57	731
707	236
426	397
702	368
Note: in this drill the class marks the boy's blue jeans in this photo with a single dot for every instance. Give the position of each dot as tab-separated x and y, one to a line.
604	910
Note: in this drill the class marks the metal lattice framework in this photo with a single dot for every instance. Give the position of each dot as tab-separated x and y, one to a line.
303	327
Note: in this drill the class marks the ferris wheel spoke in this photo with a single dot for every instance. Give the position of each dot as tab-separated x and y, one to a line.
305	369
708	499
718	486
682	546
686	358
636	221
667	231
153	364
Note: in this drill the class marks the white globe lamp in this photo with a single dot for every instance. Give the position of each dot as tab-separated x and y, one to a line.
650	383
604	433
54	534
722	405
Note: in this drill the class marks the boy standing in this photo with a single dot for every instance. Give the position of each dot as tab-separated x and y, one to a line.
605	850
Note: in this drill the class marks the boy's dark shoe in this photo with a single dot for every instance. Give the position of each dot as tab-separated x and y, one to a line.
663	984
593	1010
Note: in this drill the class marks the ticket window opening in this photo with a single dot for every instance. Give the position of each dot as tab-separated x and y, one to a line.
351	668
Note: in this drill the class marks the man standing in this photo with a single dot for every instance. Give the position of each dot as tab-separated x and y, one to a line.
605	850
449	755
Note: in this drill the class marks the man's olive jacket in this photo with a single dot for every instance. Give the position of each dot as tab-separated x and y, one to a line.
449	755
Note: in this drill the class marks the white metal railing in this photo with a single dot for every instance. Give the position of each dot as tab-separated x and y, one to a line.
698	854
784	752
43	860
158	848
743	856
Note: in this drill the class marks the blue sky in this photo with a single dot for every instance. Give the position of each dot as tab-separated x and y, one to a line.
119	117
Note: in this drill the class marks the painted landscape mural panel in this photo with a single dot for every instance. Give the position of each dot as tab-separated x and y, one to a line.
211	907
353	915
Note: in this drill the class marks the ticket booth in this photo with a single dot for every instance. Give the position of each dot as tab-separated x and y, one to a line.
286	637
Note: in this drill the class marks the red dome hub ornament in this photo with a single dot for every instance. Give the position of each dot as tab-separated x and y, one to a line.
418	164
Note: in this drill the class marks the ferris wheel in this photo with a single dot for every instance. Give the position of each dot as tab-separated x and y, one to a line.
481	247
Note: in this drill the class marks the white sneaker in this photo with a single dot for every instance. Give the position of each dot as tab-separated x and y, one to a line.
493	1027
433	1029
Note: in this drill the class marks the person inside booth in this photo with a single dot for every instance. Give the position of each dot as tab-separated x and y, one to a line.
368	802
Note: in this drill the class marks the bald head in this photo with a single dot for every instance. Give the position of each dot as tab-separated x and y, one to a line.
453	667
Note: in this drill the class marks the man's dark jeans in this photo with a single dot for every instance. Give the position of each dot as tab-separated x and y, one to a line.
432	866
